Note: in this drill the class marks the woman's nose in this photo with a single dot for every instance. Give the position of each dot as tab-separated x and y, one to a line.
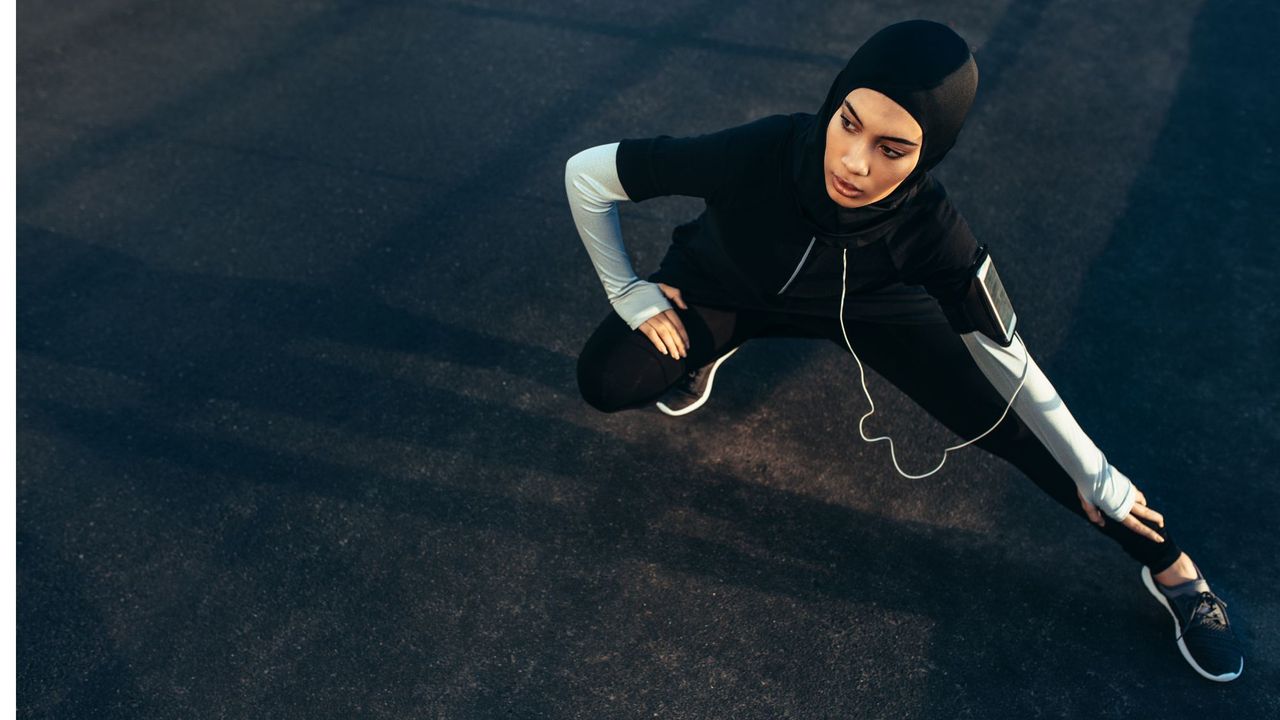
855	160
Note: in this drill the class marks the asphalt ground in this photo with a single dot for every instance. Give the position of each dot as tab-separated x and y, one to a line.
300	301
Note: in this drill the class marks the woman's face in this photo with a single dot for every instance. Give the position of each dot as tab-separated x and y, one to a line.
872	145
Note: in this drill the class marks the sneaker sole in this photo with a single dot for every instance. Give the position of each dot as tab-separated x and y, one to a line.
1151	588
706	394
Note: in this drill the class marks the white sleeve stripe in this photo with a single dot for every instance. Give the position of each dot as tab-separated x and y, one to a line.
1040	407
594	190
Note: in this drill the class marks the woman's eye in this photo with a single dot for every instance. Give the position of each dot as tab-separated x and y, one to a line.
888	151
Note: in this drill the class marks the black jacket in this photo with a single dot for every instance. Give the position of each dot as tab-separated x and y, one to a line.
751	248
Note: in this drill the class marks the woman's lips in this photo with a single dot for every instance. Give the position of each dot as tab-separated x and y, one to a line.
845	188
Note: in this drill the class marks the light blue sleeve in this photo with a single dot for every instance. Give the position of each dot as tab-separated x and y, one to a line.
594	190
1039	406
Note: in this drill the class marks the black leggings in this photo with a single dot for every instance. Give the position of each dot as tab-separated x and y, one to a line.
620	369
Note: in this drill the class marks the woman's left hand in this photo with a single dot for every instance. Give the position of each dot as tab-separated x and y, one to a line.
1131	521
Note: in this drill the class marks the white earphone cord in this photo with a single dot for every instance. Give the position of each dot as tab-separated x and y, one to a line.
863	374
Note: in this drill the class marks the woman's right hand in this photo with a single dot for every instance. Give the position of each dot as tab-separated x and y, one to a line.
1139	510
665	330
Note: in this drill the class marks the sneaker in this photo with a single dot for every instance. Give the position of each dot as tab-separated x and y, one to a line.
692	390
1200	626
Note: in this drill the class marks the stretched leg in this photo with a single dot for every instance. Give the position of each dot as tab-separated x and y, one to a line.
620	369
931	364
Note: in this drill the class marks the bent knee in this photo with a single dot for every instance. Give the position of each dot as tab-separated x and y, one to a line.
604	390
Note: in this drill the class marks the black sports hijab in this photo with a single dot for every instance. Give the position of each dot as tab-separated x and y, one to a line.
926	68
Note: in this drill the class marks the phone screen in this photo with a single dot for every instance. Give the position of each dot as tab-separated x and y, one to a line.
997	296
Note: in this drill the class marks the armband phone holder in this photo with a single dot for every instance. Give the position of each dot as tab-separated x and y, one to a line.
986	304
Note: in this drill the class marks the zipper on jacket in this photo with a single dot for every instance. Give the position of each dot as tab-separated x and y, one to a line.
800	265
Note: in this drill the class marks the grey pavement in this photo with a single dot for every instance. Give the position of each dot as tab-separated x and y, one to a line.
300	301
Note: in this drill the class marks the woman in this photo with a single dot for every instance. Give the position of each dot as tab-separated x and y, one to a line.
830	226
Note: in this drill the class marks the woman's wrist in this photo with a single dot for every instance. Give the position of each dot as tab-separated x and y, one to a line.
639	302
1115	491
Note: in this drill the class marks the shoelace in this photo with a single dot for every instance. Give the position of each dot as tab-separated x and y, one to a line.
1209	610
688	384
693	377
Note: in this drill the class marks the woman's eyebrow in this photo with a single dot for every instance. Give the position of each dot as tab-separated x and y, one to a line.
895	139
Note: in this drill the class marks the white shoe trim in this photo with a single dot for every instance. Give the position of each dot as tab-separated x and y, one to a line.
705	394
1151	587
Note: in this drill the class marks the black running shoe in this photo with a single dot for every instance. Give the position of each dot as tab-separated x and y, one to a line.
1200	626
692	390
